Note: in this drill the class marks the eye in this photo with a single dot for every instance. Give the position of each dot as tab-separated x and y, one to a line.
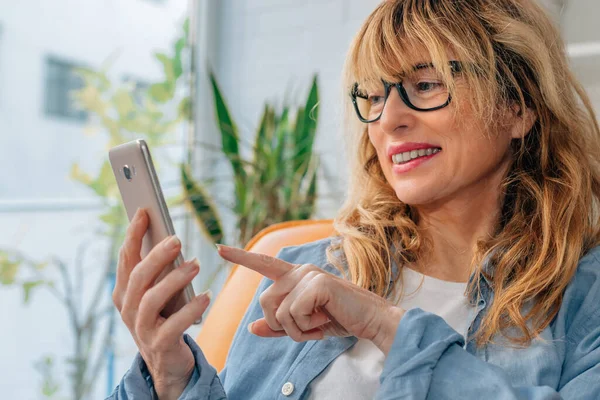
375	99
429	86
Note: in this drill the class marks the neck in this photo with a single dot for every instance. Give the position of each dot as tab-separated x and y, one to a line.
455	226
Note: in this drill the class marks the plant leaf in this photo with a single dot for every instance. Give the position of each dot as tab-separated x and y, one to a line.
78	175
203	207
185	108
28	287
168	66
230	141
307	208
9	268
161	92
177	66
306	126
123	103
262	141
114	216
186	27
104	184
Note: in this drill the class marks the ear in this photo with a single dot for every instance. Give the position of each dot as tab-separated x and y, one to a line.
523	121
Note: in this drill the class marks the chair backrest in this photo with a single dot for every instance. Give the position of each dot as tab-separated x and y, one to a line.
230	305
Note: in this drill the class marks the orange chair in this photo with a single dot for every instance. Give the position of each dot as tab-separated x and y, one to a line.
230	305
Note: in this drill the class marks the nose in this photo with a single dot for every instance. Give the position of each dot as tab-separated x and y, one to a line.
396	115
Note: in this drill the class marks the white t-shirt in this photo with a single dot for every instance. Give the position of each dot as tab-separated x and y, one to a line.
354	375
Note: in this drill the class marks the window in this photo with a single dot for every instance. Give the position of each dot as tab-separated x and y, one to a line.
61	81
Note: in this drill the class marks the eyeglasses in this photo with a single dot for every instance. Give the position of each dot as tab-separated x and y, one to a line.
422	89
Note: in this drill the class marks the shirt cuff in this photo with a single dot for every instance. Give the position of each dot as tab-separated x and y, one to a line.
203	382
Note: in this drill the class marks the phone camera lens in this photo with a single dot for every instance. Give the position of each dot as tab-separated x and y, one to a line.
127	172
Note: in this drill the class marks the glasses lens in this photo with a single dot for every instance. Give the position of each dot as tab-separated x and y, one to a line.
369	98
425	88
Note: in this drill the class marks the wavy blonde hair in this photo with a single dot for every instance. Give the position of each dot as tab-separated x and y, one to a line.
549	216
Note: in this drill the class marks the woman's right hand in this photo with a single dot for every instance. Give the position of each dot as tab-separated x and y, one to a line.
159	340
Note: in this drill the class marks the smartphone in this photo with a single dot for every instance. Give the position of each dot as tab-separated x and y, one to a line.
139	187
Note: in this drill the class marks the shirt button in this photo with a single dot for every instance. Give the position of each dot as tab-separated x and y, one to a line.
287	389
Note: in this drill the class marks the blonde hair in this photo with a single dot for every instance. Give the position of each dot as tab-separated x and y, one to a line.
549	219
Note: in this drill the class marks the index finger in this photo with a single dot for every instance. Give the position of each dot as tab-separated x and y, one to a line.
270	267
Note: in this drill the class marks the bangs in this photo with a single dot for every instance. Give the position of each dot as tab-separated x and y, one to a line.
391	43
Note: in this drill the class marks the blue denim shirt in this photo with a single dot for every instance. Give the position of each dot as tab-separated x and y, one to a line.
428	358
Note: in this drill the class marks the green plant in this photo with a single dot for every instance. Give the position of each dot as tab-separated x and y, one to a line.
278	183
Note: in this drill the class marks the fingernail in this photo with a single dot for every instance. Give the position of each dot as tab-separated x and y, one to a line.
218	246
136	216
208	293
203	298
195	261
138	213
190	267
172	243
250	327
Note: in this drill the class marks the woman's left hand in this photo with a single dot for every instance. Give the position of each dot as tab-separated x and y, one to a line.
308	303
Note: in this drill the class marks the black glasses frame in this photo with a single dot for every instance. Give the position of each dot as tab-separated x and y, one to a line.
456	66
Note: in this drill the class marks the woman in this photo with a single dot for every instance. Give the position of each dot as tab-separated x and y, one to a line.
465	264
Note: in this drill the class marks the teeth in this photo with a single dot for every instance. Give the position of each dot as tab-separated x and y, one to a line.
411	155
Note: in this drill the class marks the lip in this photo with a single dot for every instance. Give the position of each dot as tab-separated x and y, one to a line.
412	164
404	147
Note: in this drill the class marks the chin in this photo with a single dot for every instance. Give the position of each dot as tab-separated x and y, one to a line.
414	199
417	195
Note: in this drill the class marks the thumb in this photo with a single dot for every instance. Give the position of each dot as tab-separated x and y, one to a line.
262	329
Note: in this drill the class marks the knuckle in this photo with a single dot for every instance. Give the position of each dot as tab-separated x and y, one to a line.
294	309
138	328
264	300
304	269
303	325
128	318
282	316
297	317
320	279
266	259
123	255
313	275
116	299
130	231
307	267
149	300
137	273
295	336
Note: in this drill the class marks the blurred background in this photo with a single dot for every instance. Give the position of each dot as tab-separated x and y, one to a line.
240	102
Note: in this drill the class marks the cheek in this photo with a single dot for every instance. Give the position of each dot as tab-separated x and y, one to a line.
376	138
476	154
378	142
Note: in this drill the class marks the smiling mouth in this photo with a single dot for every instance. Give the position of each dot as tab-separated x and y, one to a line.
403	158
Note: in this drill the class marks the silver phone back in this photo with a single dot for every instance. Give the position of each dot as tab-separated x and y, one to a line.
142	190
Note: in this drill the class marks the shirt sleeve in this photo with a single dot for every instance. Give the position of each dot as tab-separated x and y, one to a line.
203	385
427	361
